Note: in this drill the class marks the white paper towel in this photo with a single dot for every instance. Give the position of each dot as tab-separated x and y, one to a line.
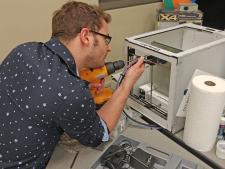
205	107
183	105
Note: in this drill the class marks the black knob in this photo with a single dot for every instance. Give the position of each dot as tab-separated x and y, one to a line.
113	66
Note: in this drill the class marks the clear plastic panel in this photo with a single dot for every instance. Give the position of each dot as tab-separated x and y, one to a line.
180	39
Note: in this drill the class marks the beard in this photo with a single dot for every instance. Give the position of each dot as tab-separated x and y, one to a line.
96	64
93	60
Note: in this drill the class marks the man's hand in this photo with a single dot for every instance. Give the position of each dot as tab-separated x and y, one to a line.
110	112
98	87
134	72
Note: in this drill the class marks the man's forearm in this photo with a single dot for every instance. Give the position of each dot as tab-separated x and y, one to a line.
111	110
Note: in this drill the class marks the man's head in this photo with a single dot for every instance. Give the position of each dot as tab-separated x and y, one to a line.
68	21
86	24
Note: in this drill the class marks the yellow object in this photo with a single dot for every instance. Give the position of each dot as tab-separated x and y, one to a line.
96	76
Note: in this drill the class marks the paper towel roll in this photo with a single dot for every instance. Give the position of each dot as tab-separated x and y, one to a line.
205	107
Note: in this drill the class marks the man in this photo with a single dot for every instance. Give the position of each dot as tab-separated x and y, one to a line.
42	95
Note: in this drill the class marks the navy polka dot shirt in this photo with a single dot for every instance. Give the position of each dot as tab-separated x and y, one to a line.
41	97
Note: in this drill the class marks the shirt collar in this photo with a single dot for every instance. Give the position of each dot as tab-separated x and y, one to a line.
63	53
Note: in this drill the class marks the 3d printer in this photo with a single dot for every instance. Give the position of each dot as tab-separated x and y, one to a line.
175	53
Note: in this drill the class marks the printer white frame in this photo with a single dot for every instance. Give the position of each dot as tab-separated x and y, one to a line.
183	64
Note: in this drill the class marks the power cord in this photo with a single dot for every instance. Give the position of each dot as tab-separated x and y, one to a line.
132	62
151	126
122	75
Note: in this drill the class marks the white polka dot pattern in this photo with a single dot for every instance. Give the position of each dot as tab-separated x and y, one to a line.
41	97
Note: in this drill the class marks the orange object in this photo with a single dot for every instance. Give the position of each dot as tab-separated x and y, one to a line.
177	2
95	76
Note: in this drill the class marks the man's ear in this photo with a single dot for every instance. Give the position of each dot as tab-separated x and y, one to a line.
85	37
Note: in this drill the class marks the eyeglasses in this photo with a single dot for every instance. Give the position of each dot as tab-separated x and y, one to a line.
107	37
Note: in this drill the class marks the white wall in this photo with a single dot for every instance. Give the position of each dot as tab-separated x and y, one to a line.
30	20
26	20
128	22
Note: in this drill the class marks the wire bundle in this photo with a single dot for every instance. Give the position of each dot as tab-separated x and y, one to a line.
122	75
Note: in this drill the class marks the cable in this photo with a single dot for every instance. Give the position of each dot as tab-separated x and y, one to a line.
122	75
130	64
151	126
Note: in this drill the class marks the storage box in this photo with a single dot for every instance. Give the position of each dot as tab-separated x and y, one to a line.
128	153
176	52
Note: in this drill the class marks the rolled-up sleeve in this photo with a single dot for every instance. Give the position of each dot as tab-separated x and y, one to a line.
106	132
